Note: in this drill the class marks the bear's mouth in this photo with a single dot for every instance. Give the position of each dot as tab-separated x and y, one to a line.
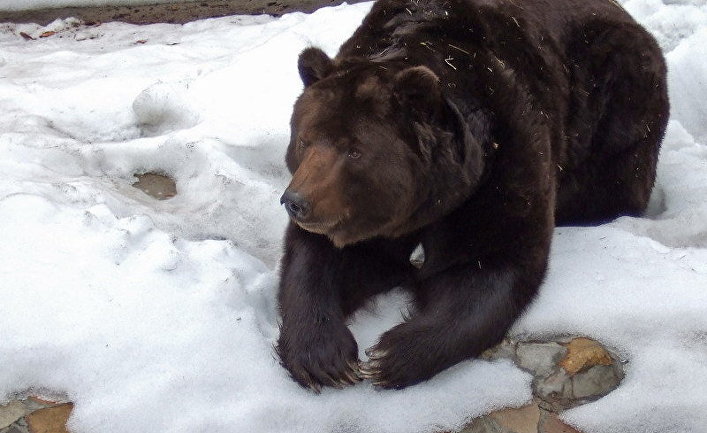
318	227
325	226
336	231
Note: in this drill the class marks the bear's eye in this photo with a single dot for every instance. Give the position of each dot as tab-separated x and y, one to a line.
301	143
354	153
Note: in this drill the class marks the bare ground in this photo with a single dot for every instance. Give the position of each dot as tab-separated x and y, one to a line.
168	13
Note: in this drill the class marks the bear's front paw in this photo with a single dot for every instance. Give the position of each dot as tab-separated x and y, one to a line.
324	355
404	356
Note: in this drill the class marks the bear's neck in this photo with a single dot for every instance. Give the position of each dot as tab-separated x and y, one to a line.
457	163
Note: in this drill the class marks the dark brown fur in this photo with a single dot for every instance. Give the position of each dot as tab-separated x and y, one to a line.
471	127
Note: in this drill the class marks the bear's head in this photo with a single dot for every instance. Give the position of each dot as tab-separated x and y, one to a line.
375	150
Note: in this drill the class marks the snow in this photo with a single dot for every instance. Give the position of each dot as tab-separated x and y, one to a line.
160	315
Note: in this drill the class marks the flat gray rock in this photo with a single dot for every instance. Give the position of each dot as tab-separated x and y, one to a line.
540	359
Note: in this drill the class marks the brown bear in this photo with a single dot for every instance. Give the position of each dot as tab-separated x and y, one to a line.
464	129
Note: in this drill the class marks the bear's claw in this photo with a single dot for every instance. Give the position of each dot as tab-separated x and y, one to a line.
369	370
399	358
319	356
376	354
335	383
314	386
353	377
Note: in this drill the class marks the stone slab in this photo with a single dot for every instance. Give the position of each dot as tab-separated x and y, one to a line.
50	420
550	423
518	420
484	424
539	358
583	353
11	412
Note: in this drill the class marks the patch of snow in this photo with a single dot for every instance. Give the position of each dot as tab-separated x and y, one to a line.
160	315
687	82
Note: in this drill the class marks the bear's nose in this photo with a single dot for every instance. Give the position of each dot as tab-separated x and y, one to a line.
297	207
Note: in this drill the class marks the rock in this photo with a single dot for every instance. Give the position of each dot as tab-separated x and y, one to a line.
518	420
581	372
583	353
595	382
505	350
560	390
484	424
539	358
156	185
33	403
567	372
554	391
550	423
50	420
17	427
11	412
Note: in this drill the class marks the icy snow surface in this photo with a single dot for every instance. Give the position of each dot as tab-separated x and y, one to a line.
159	315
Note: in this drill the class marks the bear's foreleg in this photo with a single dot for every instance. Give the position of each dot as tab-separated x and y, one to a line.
465	311
320	286
315	345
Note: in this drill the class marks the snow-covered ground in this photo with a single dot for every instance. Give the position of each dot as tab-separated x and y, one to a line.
159	315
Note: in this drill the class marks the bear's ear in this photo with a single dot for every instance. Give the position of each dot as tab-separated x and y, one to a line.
313	65
418	88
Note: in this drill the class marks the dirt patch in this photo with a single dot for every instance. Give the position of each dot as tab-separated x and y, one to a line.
178	13
156	185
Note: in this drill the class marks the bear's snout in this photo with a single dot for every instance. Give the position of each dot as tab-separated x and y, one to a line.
315	200
297	206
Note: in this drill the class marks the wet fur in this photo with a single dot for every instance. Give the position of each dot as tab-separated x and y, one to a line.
553	113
